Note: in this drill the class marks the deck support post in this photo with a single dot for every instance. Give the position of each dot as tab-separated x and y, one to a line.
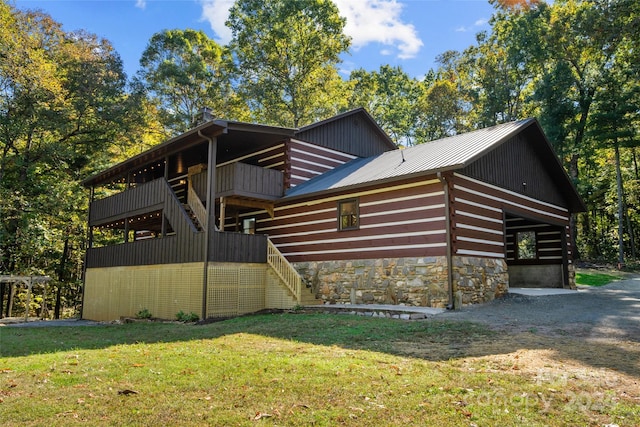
211	214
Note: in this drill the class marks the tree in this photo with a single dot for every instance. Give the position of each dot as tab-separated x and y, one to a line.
391	97
440	111
63	103
184	71
286	57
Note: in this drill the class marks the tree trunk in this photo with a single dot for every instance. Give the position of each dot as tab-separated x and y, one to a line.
620	208
2	288
61	268
12	294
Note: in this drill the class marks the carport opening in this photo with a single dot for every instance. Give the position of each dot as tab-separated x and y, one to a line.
536	253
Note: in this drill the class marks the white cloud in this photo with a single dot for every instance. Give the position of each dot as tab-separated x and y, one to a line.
141	4
479	23
368	21
379	21
217	12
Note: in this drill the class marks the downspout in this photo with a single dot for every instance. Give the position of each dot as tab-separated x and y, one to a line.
210	170
447	206
86	253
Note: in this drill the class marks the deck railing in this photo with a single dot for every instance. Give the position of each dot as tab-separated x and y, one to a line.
284	270
197	207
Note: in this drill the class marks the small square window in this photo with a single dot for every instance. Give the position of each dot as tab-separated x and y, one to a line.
249	226
526	244
348	216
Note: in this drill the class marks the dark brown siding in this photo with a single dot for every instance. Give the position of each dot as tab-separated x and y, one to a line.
549	239
516	166
352	134
168	250
237	247
403	220
187	245
241	179
478	217
306	161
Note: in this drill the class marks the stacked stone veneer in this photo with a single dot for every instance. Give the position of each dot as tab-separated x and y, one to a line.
478	280
408	281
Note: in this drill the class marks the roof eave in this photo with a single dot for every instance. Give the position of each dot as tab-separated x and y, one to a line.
347	188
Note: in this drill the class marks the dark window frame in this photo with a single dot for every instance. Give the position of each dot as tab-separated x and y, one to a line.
351	219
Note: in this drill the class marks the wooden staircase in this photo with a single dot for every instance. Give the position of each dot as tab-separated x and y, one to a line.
307	297
193	217
290	277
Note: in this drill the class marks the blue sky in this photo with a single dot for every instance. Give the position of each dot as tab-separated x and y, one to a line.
408	33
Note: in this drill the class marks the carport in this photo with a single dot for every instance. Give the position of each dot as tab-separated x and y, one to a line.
537	253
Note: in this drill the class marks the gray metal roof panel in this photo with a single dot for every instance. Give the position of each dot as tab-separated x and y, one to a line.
453	152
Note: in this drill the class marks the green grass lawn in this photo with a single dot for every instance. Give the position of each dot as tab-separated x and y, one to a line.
286	369
595	279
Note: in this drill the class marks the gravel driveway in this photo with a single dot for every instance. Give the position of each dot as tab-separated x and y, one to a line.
609	312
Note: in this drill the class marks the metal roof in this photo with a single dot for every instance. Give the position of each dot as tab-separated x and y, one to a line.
450	153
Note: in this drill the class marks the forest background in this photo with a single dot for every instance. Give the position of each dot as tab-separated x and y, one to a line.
67	109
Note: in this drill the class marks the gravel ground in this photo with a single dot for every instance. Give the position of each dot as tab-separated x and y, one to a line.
607	312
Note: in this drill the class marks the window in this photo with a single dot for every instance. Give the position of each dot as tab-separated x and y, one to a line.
348	216
526	244
249	226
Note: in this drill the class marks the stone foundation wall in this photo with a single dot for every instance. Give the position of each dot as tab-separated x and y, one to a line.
478	280
572	277
408	281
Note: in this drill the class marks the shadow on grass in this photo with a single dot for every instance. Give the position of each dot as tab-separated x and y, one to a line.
501	327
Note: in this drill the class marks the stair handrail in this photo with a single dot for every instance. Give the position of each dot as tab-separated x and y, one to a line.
284	270
196	206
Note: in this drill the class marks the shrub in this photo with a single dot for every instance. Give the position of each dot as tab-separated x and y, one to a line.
184	317
143	314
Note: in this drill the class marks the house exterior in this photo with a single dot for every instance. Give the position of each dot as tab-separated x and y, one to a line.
329	213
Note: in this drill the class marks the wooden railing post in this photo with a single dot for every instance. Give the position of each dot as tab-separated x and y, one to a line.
196	206
284	270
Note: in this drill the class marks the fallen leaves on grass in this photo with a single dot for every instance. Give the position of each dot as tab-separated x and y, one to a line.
261	415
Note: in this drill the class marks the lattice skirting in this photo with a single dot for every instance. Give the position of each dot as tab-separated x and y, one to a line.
164	290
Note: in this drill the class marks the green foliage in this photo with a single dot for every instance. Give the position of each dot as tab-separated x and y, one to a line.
390	96
143	314
63	107
594	279
184	71
181	316
286	56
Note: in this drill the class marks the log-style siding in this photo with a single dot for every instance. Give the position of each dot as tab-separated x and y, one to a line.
549	241
401	220
478	219
310	160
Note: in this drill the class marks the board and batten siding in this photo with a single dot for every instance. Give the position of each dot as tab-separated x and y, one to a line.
309	161
404	219
352	133
478	222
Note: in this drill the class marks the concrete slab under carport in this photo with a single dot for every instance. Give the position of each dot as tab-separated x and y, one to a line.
541	291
